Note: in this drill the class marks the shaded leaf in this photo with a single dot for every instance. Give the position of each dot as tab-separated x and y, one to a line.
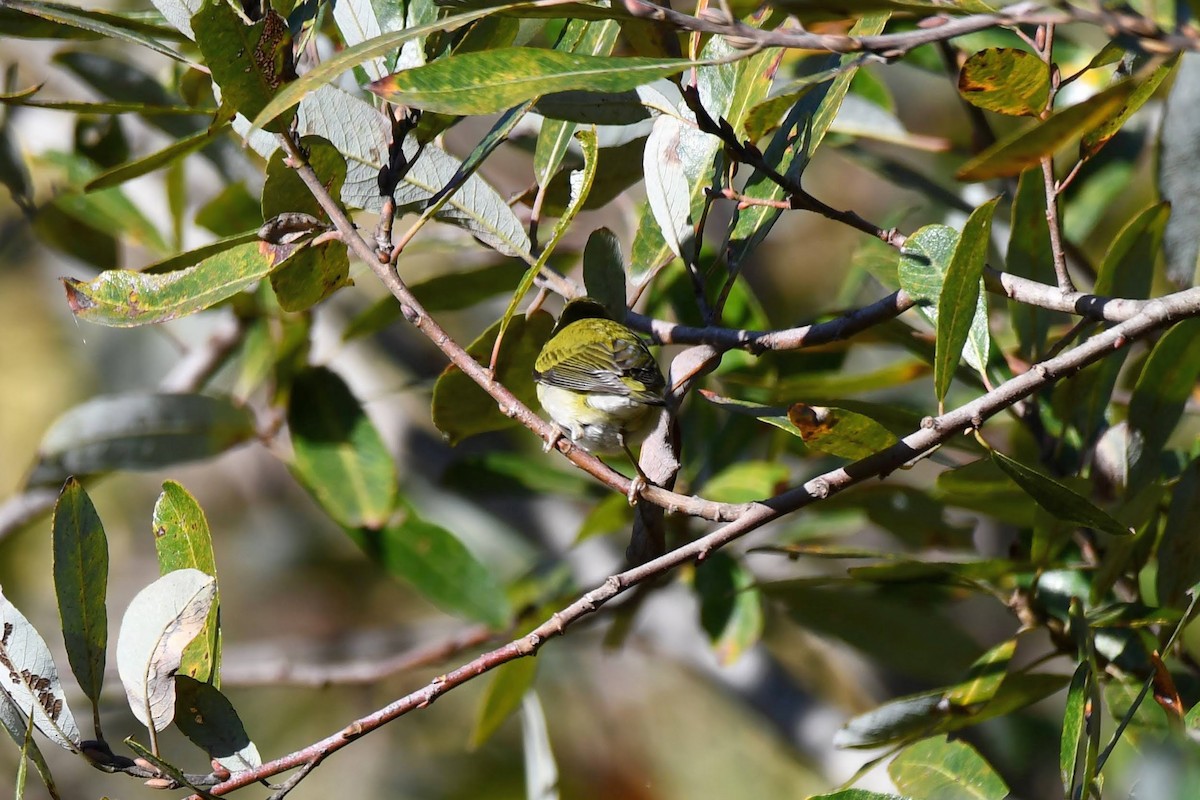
731	611
1058	499
604	271
509	684
1179	551
338	453
939	769
435	563
1163	387
489	81
461	408
1030	256
958	301
1147	85
1006	80
1023	149
105	24
30	680
985	676
18	728
158	624
157	160
747	482
182	540
139	432
81	586
1178	173
209	720
123	298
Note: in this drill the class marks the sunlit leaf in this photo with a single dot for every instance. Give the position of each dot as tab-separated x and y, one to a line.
1006	80
1057	498
502	698
30	680
958	301
947	770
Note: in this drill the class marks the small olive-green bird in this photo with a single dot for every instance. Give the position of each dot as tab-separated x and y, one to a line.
597	380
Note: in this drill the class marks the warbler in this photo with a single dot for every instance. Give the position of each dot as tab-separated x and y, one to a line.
598	381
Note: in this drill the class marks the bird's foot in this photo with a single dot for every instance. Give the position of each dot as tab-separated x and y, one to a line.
636	487
557	434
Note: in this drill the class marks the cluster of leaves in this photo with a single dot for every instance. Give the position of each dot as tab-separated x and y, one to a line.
1097	493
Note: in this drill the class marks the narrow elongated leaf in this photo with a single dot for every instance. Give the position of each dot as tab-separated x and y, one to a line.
81	585
731	610
541	770
138	431
1006	80
668	190
1179	551
1061	501
924	261
107	25
505	691
985	676
1023	149
938	768
604	271
1179	173
135	169
339	455
209	720
160	622
1163	388
435	563
29	678
1073	725
124	299
17	726
958	301
357	22
493	80
1030	256
462	409
856	794
249	62
1147	85
182	541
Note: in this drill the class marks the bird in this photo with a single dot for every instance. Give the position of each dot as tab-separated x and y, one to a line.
599	383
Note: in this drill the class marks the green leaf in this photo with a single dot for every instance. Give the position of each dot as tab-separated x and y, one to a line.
329	69
339	455
1030	256
856	794
1145	88
985	676
1073	725
1179	551
731	610
249	62
231	211
435	563
1061	501
104	24
125	299
604	271
462	409
1023	149
833	430
1006	80
503	696
209	720
958	302
747	482
493	80
500	472
182	540
142	166
924	262
938	768
138	432
18	728
1178	179
81	585
1161	393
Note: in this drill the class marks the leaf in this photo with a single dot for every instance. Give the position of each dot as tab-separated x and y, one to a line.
1163	387
338	454
209	720
958	301
1030	256
1178	173
124	299
509	684
1005	80
18	728
667	187
604	271
158	624
1146	86
1023	149
462	409
1074	716
837	431
731	610
249	62
924	262
938	768
985	676
1178	555
1061	501
138	432
182	540
330	68
98	22
747	482
541	770
357	22
81	585
161	158
435	563
492	80
856	794
30	680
